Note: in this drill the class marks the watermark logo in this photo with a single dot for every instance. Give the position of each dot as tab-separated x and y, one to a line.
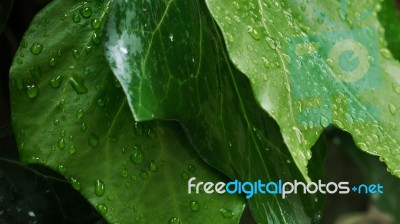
280	188
332	64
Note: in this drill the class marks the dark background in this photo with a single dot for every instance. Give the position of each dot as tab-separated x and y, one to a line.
38	195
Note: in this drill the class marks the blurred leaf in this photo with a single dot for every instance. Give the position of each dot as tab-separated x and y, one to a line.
70	114
170	59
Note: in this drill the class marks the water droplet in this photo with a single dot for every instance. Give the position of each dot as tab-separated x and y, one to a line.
137	155
102	208
236	5
124	173
56	82
86	12
266	62
143	174
226	213
76	18
99	188
111	197
184	176
392	109
230	37
31	91
396	88
80	113
191	168
93	140
153	166
72	149
271	42
393	125
324	122
303	6
52	62
363	146
96	23
61	144
330	62
75	183
78	84
96	39
61	168
36	48
83	126
194	205
56	122
174	220
385	53
253	33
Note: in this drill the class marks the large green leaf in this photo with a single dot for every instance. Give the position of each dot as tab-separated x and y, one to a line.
70	114
170	60
314	63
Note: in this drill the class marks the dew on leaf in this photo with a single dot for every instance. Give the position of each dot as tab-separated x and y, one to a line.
236	5
99	188
124	173
102	208
52	62
137	156
75	183
396	88
226	213
324	122
56	82
78	84
191	168
174	220
80	113
143	174
184	176
31	91
96	23
76	18
385	53
36	48
61	168
72	149
96	39
86	12
61	144
153	166
83	126
93	140
194	206
392	109
253	33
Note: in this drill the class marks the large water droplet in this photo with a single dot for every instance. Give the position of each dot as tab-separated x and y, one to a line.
226	213
253	33
96	23
78	84
31	91
99	188
96	39
86	12
36	48
56	82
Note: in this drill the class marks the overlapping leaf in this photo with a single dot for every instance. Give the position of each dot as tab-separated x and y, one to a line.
70	114
170	60
315	63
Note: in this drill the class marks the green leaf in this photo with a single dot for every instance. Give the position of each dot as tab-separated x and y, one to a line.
170	60
316	63
70	114
375	172
5	8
